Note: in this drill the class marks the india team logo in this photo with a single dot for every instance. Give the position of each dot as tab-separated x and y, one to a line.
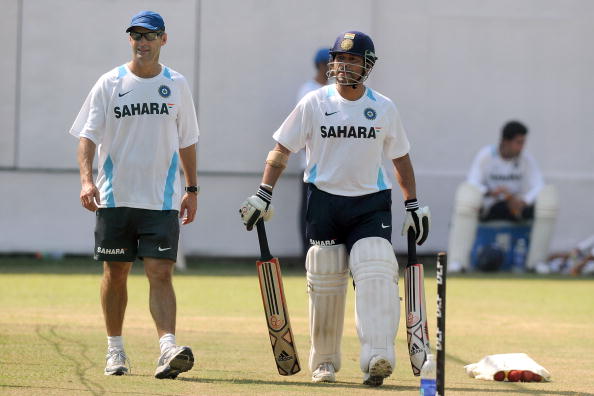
164	91
369	113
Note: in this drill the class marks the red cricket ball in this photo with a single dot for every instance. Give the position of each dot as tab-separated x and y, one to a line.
514	375
499	376
527	376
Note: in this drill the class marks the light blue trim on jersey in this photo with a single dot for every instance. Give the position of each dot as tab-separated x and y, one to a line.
331	91
370	94
313	173
168	194
494	150
122	71
381	185
108	170
167	73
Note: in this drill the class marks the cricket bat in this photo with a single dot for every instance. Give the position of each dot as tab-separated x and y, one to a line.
275	308
417	331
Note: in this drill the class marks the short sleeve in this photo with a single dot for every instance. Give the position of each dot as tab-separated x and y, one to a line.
90	122
396	143
187	124
297	127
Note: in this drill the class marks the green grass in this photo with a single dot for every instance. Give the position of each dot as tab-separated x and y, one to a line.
52	339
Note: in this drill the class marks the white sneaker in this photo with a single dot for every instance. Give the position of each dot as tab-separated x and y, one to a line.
324	373
174	361
115	362
379	368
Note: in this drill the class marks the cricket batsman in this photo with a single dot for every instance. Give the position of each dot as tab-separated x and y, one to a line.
348	130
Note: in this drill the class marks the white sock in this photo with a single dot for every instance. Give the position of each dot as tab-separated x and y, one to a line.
167	341
115	342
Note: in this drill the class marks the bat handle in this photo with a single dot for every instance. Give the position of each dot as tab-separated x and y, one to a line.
412	246
264	250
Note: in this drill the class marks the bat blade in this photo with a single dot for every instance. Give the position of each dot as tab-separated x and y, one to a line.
277	317
417	330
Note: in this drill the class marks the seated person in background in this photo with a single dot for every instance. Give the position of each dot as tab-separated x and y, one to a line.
577	261
504	183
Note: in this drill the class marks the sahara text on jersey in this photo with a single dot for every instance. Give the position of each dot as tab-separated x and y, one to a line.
345	131
141	108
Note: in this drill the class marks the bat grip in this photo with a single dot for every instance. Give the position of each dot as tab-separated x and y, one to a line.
264	250
412	246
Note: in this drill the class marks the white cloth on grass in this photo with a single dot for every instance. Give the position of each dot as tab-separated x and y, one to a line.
486	368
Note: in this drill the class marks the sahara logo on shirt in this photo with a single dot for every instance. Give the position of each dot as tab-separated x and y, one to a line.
344	131
142	108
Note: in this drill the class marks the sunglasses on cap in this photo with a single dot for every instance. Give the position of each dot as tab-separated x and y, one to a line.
149	36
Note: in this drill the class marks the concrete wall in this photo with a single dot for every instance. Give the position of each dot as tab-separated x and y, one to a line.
457	70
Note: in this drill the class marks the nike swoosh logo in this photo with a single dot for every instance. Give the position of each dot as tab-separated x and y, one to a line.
125	93
385	226
163	249
329	114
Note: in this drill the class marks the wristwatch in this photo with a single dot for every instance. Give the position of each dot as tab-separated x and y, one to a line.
193	189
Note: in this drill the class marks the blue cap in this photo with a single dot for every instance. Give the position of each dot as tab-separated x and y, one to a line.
147	19
322	56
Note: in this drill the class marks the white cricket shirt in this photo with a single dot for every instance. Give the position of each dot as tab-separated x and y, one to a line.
346	141
139	125
520	176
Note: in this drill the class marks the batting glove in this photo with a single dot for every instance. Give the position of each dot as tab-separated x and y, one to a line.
417	218
257	207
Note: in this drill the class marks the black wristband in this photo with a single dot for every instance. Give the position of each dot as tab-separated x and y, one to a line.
265	194
411	205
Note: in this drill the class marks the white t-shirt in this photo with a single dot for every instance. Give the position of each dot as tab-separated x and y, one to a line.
139	125
346	141
520	176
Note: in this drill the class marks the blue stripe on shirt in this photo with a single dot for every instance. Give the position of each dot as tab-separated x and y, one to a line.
169	184
108	170
122	71
313	173
381	185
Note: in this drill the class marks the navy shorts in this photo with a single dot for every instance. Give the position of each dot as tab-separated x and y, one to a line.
122	234
336	219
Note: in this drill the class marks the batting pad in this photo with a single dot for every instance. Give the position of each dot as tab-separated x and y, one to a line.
377	304
464	222
327	279
545	214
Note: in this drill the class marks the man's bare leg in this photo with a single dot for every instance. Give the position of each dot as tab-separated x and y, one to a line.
114	299
174	359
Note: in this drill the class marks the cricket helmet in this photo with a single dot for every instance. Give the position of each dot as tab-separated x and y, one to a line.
355	43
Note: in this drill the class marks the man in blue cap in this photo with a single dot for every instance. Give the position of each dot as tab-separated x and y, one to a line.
141	118
348	130
320	79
